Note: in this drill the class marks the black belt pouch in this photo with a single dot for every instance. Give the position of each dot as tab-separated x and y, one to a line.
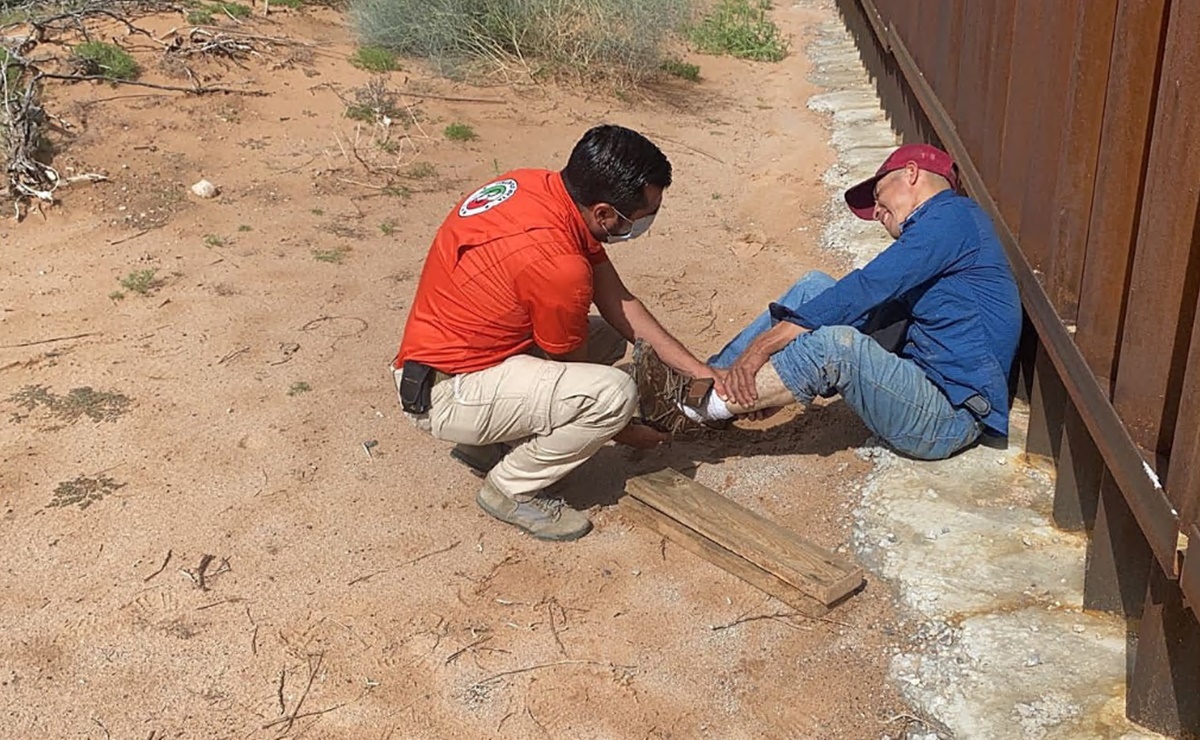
416	385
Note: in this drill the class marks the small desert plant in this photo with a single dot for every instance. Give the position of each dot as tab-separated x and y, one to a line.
681	69
212	240
78	403
204	14
421	171
237	10
460	132
374	59
83	491
388	227
109	60
299	387
741	28
373	102
141	281
332	256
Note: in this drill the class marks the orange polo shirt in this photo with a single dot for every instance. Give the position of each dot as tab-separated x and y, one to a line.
510	267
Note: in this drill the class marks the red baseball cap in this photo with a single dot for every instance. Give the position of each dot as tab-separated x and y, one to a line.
861	197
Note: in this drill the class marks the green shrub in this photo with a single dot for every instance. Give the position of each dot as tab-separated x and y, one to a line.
237	10
110	60
421	171
374	59
741	28
624	39
460	132
140	281
206	13
681	69
12	71
334	256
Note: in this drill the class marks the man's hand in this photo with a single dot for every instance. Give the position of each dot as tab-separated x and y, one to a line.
718	377
641	437
741	379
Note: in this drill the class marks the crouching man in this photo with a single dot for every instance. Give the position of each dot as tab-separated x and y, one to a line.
499	354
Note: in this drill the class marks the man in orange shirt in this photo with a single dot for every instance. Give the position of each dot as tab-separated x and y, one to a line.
499	354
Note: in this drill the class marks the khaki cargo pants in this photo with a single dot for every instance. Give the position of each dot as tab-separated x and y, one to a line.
559	413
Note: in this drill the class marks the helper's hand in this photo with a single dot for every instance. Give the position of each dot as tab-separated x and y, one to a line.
719	380
641	437
741	380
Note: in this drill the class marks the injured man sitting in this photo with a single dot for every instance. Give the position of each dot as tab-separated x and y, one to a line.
920	342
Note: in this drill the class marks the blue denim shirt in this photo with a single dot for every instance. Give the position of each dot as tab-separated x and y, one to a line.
949	273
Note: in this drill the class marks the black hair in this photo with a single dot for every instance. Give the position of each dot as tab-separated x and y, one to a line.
613	164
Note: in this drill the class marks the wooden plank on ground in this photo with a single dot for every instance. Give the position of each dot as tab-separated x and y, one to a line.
780	553
706	549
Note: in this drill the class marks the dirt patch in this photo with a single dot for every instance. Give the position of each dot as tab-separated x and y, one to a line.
361	591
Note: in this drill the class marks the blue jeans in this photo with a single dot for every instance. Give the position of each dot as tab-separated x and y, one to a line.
894	397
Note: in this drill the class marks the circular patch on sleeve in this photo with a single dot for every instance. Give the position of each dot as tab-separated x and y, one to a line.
488	197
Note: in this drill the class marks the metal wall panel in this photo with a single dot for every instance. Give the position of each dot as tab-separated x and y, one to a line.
1044	123
1015	141
1166	266
1121	165
1002	23
1091	52
971	94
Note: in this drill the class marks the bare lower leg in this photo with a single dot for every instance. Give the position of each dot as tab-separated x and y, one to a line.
772	393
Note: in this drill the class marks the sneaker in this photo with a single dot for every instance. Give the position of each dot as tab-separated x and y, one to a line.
481	458
544	518
662	392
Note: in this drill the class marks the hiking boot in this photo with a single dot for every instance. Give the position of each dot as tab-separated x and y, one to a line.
662	392
481	458
544	518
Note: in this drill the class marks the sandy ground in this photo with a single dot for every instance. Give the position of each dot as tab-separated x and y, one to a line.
355	587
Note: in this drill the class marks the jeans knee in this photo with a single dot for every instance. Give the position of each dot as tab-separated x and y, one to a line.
810	285
839	339
837	354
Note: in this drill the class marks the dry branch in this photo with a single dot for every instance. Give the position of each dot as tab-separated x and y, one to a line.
23	119
194	90
161	568
52	340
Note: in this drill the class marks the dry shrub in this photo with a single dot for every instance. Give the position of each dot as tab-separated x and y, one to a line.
624	41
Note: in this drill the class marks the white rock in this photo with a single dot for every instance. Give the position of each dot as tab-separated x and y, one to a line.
205	189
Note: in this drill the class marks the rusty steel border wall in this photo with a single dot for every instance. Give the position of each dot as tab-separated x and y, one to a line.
1076	125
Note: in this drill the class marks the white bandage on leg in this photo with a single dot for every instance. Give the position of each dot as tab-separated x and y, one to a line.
715	409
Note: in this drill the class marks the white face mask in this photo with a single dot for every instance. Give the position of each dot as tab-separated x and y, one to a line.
640	226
